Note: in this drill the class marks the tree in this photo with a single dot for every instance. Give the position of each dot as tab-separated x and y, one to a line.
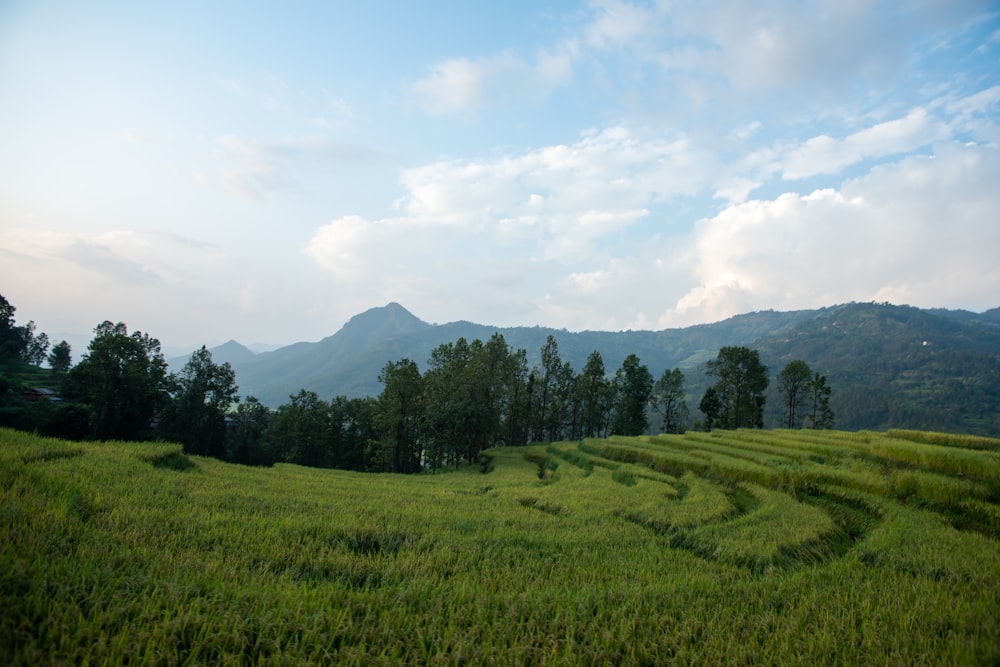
197	414
35	345
594	394
299	430
353	421
544	418
123	379
497	369
821	415
668	397
741	379
459	419
60	358
246	442
400	411
518	400
635	385
710	406
793	384
12	343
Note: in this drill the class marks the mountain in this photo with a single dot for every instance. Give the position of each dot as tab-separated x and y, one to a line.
889	366
899	366
231	351
339	364
349	361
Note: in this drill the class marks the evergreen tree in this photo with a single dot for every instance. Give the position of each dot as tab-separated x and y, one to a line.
741	379
635	386
123	379
794	383
299	430
246	441
12	340
710	406
594	395
400	412
821	415
60	358
36	346
668	397
196	416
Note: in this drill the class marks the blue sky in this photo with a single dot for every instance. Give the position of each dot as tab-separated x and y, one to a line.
262	171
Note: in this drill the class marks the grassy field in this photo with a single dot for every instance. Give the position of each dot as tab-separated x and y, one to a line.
747	547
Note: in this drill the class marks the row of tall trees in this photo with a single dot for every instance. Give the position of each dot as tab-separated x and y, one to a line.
736	398
476	395
22	351
26	344
472	396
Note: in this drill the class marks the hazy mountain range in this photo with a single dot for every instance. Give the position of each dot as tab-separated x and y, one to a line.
889	366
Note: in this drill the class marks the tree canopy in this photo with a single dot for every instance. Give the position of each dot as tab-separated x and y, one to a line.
196	415
123	379
740	381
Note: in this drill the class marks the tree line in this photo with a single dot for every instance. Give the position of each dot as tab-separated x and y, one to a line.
473	395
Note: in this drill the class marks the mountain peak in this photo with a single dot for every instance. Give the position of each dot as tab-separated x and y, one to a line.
392	315
374	326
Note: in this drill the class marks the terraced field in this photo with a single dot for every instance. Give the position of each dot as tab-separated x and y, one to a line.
746	547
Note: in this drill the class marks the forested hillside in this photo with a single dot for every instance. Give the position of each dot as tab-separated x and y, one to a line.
349	361
888	366
897	366
884	366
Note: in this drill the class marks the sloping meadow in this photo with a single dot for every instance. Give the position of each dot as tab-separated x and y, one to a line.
745	547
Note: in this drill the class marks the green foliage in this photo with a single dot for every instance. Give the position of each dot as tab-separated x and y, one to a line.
36	346
123	379
900	367
60	358
740	381
668	399
196	415
400	413
634	384
793	384
299	430
12	338
246	443
710	405
115	553
818	393
595	395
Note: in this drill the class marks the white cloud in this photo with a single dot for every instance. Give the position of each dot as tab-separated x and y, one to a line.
158	281
251	169
337	115
263	89
919	231
618	23
554	203
129	259
504	230
463	85
256	169
826	155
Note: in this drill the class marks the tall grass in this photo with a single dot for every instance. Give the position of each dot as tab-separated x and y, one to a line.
114	553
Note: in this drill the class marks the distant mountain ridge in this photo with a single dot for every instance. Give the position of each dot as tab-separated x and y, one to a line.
870	352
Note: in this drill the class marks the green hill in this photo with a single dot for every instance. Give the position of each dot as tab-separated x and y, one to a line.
748	547
889	366
900	367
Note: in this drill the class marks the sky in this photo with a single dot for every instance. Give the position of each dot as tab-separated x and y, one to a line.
262	171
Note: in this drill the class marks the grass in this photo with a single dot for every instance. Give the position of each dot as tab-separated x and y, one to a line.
849	549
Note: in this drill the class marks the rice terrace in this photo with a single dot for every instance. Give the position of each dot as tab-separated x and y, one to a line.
732	547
